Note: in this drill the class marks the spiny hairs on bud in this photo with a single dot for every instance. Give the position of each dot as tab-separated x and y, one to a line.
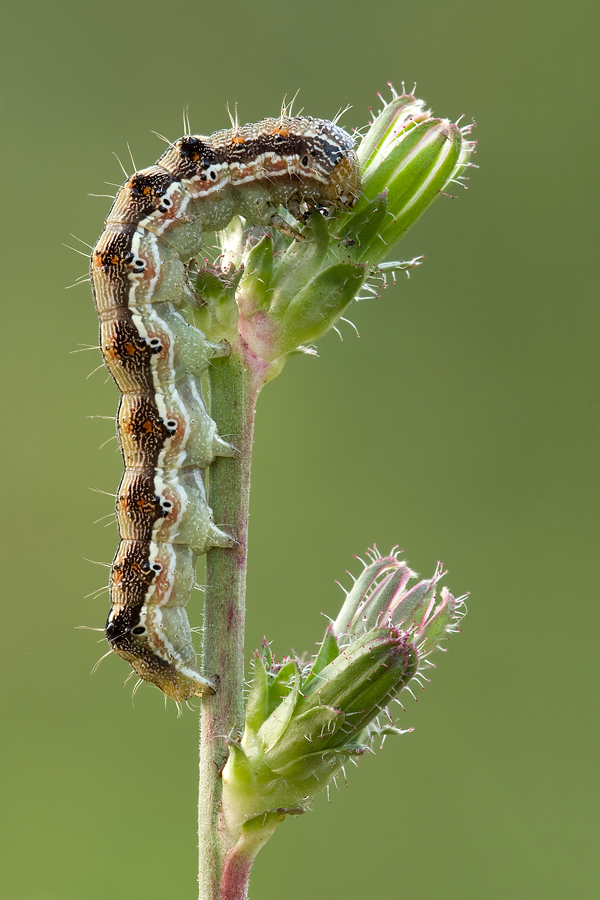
377	598
380	597
306	718
398	116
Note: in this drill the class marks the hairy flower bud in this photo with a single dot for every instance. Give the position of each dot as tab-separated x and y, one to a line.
305	720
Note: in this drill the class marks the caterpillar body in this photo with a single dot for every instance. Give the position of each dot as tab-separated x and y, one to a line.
166	436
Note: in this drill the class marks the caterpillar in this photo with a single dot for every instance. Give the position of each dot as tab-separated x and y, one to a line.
156	358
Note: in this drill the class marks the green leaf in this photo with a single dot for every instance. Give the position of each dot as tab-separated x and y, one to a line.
319	305
311	731
299	264
271	730
257	705
328	651
255	284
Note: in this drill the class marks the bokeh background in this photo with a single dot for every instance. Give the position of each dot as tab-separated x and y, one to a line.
459	426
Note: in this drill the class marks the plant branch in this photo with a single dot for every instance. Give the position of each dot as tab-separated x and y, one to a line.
233	391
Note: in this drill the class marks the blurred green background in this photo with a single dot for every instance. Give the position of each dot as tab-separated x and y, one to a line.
459	426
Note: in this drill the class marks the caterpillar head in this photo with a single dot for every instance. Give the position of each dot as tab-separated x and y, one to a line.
157	645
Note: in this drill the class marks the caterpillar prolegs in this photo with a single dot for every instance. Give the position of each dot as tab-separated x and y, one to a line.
166	436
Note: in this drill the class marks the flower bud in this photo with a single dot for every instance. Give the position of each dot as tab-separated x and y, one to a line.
305	720
394	119
410	158
330	712
379	598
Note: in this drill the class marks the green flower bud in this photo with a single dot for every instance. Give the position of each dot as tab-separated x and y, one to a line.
332	710
418	168
305	720
395	118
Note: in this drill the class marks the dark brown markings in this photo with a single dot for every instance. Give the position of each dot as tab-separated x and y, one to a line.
131	573
142	431
136	649
138	506
142	195
127	354
118	630
188	157
114	258
113	251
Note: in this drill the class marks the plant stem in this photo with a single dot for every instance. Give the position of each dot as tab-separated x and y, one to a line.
233	391
239	860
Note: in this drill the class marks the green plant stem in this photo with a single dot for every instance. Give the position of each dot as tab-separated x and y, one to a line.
233	392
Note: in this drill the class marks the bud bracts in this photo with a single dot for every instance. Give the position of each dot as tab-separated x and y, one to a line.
304	720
